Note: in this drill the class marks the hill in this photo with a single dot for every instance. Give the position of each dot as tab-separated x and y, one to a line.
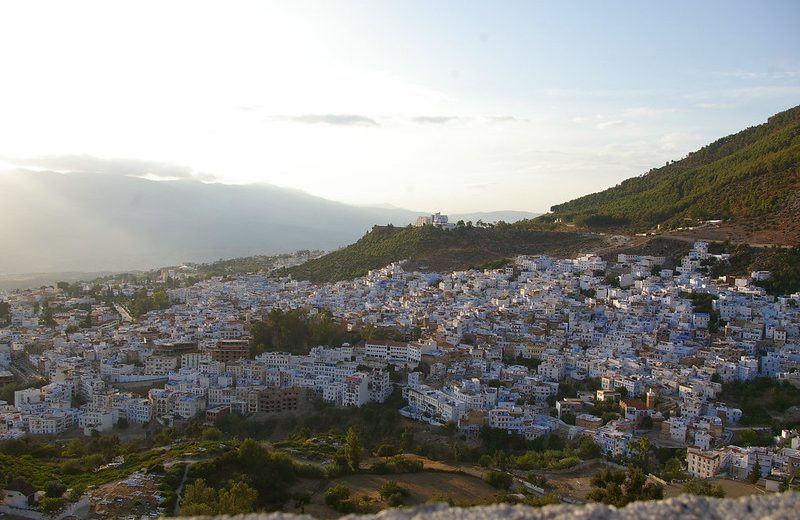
434	249
752	177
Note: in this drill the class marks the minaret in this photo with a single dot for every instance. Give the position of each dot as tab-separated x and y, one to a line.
651	398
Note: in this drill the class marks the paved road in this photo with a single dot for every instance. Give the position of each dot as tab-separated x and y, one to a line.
124	313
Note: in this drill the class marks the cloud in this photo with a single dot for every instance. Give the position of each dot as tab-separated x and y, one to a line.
434	120
328	119
610	124
152	170
507	119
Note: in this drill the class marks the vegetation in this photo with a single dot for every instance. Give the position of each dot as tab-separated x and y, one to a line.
338	498
352	449
375	422
397	464
393	493
549	459
295	331
199	499
748	174
755	473
703	487
762	400
248	264
5	314
619	488
431	248
270	474
673	470
143	302
784	264
498	479
82	462
702	302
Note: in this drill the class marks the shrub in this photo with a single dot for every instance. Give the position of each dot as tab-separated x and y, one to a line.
498	479
54	489
397	464
338	498
49	505
393	493
702	487
387	450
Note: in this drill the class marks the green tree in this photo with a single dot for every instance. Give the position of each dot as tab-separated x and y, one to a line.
352	449
212	434
47	318
641	452
588	449
199	499
5	313
86	322
755	474
619	488
673	470
238	499
54	488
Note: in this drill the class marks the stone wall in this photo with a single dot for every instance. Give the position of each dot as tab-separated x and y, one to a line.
784	506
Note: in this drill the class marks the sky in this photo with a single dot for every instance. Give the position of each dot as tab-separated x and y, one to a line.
438	105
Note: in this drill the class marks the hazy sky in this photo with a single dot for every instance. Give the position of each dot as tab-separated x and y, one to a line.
458	106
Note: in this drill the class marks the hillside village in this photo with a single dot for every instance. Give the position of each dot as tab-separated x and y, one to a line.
476	349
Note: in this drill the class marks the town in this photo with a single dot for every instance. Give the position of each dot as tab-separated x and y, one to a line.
610	350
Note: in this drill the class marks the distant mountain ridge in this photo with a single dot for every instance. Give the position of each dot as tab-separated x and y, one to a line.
753	174
88	222
112	222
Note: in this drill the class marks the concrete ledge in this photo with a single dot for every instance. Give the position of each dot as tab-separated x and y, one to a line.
784	506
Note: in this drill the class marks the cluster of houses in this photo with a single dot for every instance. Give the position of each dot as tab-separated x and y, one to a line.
478	348
773	464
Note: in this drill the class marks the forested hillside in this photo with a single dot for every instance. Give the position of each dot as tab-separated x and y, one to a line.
435	249
752	174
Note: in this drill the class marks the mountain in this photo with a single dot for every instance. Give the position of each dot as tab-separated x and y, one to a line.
752	177
92	222
433	249
114	221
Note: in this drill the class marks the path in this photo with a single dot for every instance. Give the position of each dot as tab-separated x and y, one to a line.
179	492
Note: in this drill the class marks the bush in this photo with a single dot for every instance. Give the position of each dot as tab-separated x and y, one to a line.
393	493
338	498
387	450
702	487
212	434
498	479
50	506
395	499
54	489
397	464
